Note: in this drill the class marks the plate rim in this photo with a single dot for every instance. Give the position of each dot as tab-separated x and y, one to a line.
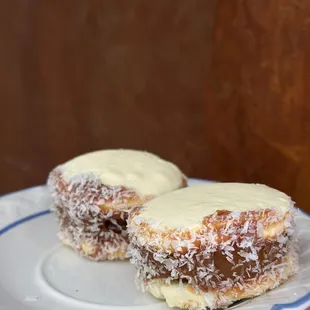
302	301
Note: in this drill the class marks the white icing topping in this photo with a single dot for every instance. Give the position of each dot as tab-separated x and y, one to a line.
145	172
187	207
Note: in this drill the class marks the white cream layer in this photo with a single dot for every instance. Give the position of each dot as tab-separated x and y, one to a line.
142	171
187	207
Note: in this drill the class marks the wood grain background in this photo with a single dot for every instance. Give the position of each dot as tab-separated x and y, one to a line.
258	107
218	87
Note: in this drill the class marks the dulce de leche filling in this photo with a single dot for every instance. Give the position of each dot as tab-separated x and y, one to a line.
222	267
116	224
232	250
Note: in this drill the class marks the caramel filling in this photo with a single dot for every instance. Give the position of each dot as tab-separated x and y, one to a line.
220	267
116	224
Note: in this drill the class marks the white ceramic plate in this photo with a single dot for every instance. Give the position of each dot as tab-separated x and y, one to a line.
37	272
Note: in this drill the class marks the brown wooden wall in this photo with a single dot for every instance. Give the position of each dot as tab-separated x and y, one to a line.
76	76
258	106
220	88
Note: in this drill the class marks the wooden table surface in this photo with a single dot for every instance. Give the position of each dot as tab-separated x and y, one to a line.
218	87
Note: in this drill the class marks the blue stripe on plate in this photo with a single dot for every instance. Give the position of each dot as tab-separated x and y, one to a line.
23	220
293	305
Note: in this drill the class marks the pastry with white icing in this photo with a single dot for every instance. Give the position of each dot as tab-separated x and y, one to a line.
213	244
94	193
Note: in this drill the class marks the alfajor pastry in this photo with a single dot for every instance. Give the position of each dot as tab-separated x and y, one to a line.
213	244
93	194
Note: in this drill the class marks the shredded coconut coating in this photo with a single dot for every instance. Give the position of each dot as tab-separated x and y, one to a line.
87	210
245	240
